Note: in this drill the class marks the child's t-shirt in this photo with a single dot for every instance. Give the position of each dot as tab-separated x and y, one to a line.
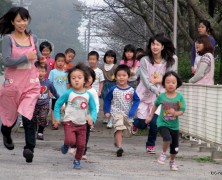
166	119
95	96
44	98
99	78
59	80
77	107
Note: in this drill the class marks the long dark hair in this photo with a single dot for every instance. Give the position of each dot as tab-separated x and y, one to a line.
167	52
6	26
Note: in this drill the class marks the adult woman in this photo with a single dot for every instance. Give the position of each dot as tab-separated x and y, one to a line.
21	87
205	67
204	28
153	66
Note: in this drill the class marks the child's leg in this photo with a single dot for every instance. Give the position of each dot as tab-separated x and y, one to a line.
52	111
118	138
80	141
43	113
174	146
87	138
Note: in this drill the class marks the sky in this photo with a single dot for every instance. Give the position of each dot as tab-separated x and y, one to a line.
92	2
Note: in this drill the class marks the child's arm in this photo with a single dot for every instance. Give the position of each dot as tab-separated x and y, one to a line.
53	91
58	105
100	88
92	110
182	107
107	102
136	102
149	118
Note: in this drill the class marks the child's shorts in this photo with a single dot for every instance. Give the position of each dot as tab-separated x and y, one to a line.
121	122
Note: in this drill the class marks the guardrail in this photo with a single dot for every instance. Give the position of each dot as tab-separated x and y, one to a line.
203	116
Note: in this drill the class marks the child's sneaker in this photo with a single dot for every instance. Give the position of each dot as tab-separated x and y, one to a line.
105	120
110	124
40	136
173	166
76	164
162	158
84	157
150	149
92	128
134	130
119	152
28	155
64	149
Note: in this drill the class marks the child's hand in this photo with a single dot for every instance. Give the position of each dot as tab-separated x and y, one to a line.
89	120
107	115
31	56
171	111
62	110
56	123
148	119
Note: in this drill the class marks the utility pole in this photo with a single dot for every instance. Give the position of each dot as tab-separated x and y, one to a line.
89	29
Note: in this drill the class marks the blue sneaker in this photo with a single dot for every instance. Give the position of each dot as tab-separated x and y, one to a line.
64	149
76	164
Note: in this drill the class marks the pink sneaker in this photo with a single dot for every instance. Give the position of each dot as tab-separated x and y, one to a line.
162	158
134	130
173	166
150	149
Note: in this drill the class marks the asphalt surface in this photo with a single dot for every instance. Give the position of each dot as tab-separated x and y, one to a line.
102	163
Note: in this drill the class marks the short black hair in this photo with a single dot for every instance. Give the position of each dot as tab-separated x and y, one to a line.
58	55
70	50
110	53
45	44
92	74
38	65
82	67
122	67
173	73
93	53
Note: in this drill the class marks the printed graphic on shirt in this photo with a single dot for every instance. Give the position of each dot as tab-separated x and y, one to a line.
167	106
43	93
79	103
60	80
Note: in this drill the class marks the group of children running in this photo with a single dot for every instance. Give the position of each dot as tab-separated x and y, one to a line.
138	92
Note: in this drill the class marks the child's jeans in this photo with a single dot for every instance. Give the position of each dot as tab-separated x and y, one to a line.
75	135
140	124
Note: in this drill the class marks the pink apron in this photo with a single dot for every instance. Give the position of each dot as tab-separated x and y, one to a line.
20	91
146	96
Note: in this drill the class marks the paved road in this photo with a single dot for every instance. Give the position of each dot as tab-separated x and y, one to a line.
102	163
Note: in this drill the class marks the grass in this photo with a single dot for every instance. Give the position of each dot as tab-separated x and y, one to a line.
203	159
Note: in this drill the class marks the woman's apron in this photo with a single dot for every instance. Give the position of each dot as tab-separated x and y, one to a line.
20	90
147	97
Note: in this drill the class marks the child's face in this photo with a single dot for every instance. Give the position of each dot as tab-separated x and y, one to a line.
129	55
122	78
60	62
156	47
69	57
93	61
170	83
89	82
109	59
77	80
42	73
46	52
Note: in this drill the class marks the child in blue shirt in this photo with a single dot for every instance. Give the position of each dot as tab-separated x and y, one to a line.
121	103
58	77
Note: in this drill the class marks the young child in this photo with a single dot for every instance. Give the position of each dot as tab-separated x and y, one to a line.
108	69
129	59
89	88
121	103
46	48
93	59
79	102
58	77
173	105
42	106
